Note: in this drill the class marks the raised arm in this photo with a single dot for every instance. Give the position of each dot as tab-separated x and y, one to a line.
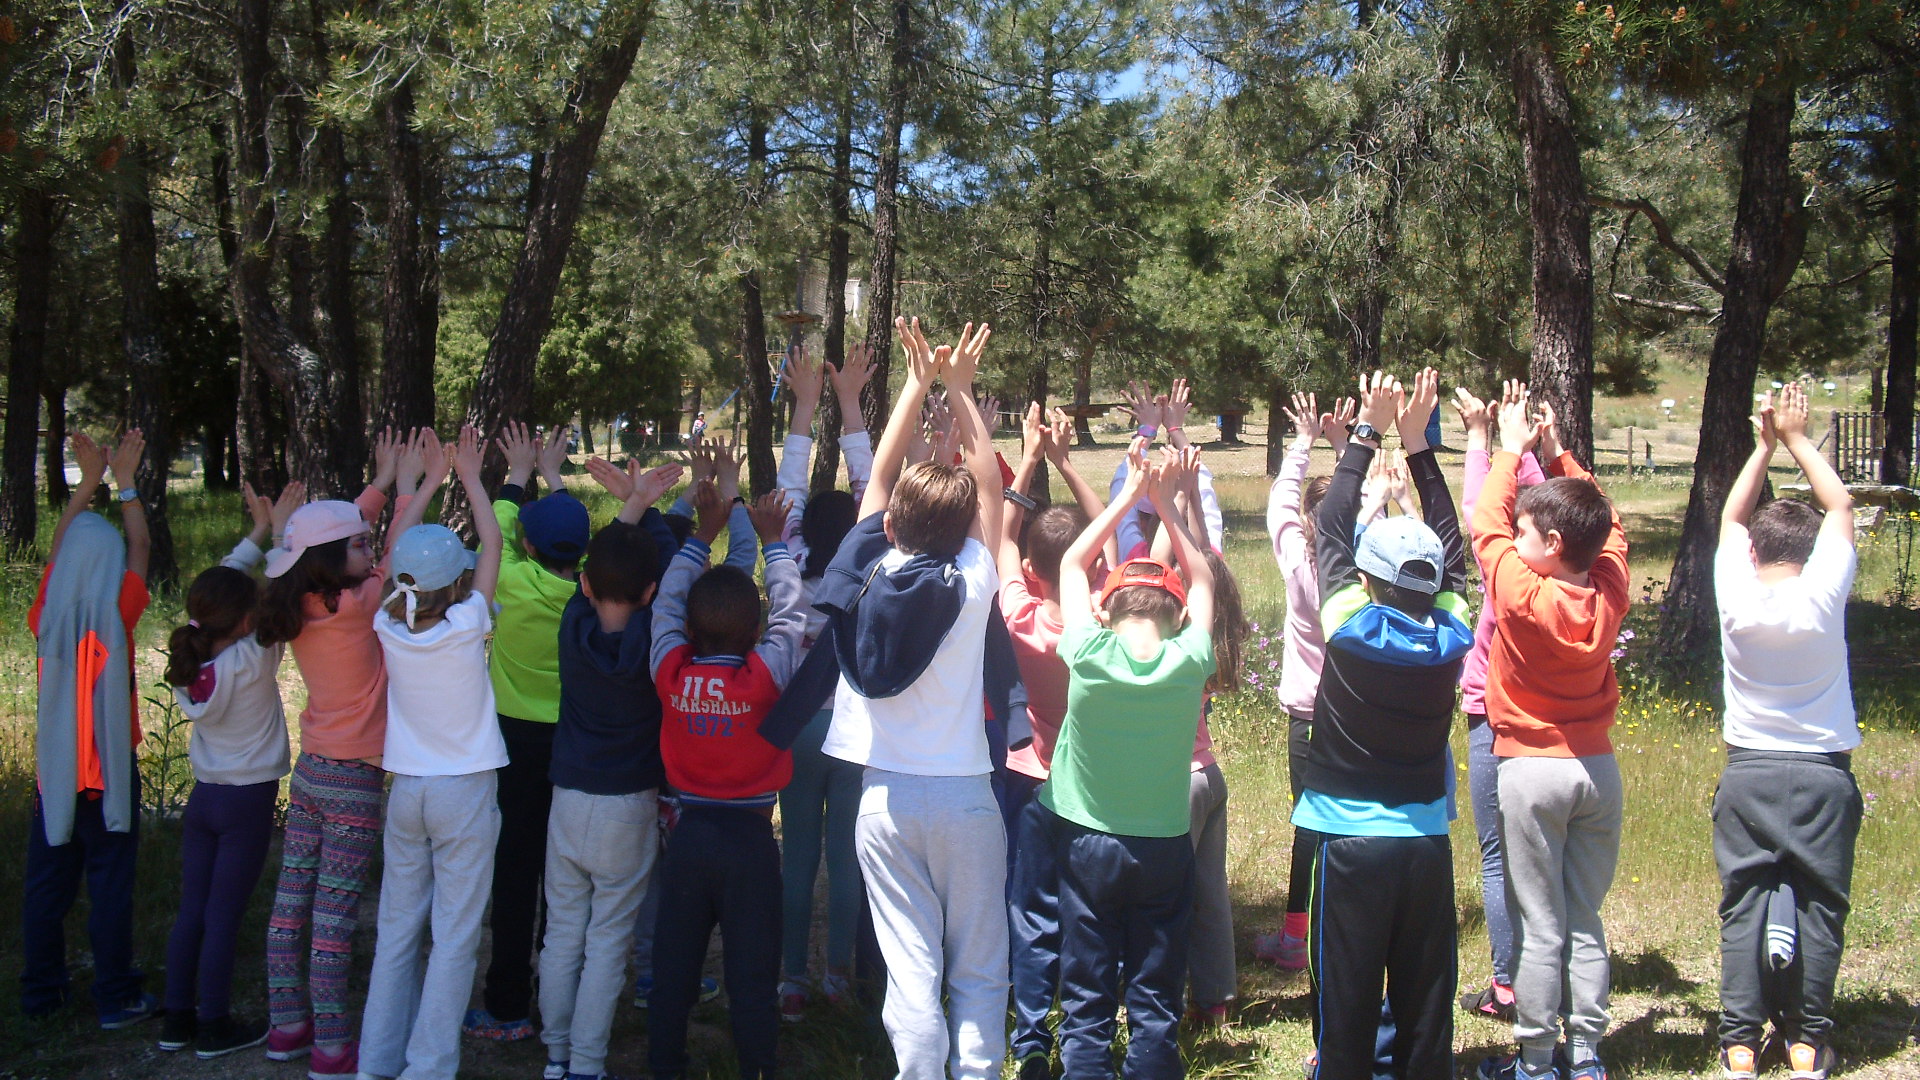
467	456
804	378
133	515
1423	397
892	451
1033	442
386	458
1744	495
1828	489
431	457
779	646
687	564
522	452
1380	400
976	440
552	453
93	468
1193	562
1076	565
1283	498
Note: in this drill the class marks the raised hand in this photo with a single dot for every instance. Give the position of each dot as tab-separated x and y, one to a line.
521	450
1305	417
92	459
1517	431
1174	404
700	461
1790	413
618	482
1395	477
410	464
1473	412
292	497
553	453
769	516
1334	424
469	451
1136	481
964	362
922	366
710	509
126	458
1141	402
805	377
1547	430
648	485
727	459
1765	426
386	456
434	456
260	508
851	377
1421	399
1381	399
1034	433
1060	436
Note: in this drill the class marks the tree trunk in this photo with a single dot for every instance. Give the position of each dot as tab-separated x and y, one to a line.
1276	426
826	451
58	490
1561	371
882	288
149	404
337	314
1903	319
753	323
410	291
27	353
1756	271
556	188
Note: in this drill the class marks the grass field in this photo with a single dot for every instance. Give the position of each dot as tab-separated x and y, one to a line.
1660	917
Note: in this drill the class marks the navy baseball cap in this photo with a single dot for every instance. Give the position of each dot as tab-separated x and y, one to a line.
556	526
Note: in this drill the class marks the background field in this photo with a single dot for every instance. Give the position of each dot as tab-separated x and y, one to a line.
1660	916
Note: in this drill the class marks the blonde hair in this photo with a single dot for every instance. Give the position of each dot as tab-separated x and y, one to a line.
429	604
932	508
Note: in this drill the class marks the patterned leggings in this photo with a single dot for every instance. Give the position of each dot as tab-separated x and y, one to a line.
333	823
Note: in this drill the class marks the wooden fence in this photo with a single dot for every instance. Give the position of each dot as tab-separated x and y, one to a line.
1856	440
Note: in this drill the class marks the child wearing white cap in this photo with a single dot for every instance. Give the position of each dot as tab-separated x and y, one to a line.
443	746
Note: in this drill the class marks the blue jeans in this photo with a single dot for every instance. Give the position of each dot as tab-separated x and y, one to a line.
106	859
817	810
1124	904
1033	907
1483	780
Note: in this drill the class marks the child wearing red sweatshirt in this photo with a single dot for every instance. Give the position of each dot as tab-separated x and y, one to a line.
1555	563
722	867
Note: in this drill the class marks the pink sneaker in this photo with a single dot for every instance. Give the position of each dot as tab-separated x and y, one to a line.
342	1062
1282	950
282	1046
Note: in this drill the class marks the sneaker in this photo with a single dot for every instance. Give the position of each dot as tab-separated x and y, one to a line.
1809	1062
1487	1005
1511	1067
555	1070
793	1002
1310	1068
480	1024
1738	1062
144	1007
1202	1017
1590	1069
1035	1067
1282	950
177	1029
709	989
221	1037
325	1064
286	1046
835	988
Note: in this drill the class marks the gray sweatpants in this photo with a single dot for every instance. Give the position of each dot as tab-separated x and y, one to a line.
438	850
1560	828
1210	971
1793	818
600	855
933	851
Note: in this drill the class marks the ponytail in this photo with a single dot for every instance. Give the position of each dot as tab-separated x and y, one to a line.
218	604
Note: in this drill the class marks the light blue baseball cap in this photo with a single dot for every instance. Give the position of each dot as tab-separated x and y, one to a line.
432	556
1403	551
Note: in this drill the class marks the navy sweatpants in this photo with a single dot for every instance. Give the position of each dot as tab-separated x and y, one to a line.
106	859
223	846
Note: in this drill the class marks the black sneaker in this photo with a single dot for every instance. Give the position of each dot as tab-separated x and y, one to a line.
225	1035
177	1029
1035	1067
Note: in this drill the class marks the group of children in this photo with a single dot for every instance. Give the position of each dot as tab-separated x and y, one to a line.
987	718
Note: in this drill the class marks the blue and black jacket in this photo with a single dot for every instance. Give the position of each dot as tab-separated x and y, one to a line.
1386	694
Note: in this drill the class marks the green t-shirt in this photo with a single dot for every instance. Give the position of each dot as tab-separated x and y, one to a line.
526	635
1122	759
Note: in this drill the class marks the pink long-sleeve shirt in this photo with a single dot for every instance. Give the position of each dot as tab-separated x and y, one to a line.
1305	648
1473	675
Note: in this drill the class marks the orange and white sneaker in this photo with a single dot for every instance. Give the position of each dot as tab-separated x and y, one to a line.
1738	1062
1809	1062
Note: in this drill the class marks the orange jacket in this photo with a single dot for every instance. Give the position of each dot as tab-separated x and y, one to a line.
1551	690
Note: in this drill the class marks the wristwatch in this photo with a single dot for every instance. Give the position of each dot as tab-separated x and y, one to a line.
128	495
1364	432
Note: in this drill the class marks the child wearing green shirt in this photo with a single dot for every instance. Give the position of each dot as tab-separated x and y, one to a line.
1117	793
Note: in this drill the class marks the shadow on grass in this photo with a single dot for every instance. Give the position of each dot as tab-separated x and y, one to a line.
1649	972
1873	1027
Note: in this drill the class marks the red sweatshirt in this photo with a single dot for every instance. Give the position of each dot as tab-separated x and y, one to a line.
1551	690
710	727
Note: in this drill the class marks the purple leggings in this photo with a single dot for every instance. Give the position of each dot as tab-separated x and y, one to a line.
223	847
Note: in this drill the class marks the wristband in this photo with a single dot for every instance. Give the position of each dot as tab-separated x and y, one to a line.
1019	499
1146	431
128	495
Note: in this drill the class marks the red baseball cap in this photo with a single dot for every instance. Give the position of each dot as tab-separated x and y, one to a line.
1152	573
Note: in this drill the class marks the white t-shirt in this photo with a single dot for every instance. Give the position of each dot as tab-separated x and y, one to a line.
936	726
1785	647
240	731
440	714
